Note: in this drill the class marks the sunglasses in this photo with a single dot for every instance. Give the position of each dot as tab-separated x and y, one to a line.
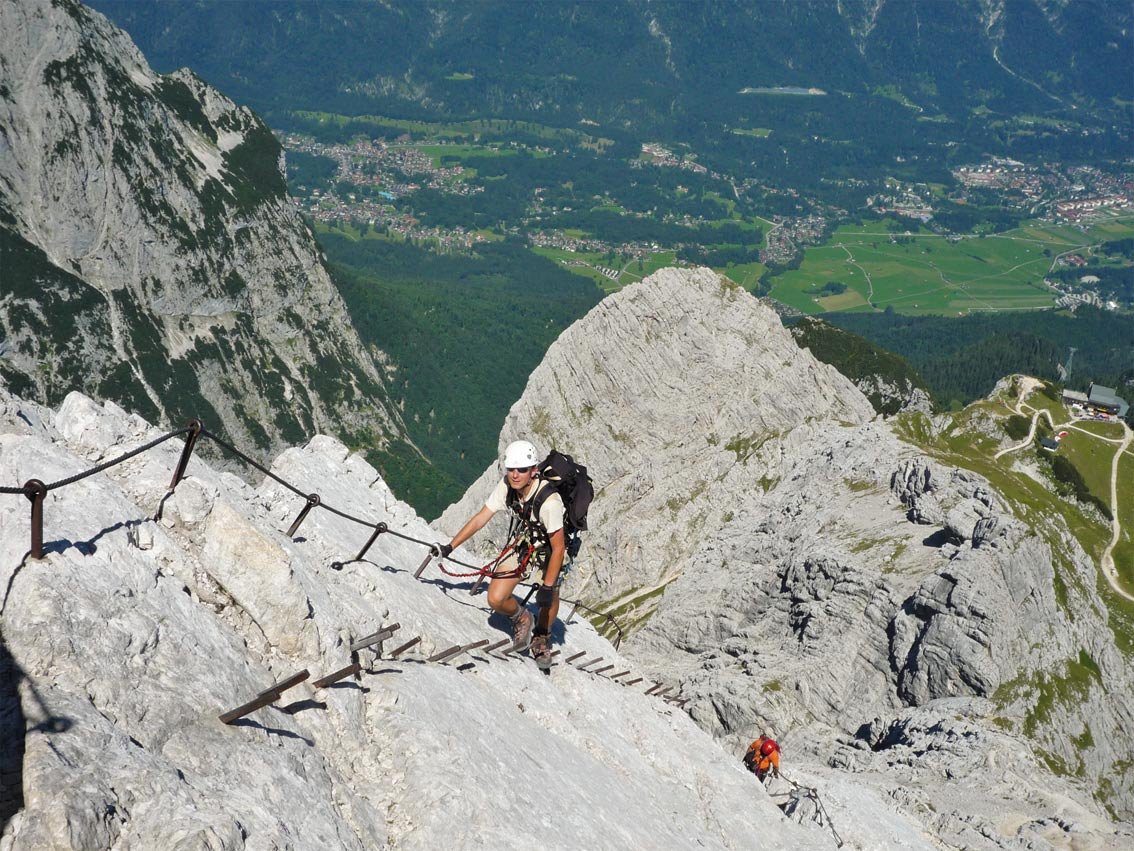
519	469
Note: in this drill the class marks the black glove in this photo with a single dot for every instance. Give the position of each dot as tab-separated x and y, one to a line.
545	595
441	550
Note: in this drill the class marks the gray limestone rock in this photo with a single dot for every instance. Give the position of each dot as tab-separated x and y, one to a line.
674	392
124	644
814	573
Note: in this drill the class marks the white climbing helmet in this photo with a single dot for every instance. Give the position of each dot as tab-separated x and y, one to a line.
520	453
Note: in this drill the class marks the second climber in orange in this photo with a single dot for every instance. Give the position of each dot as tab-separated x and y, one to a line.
762	756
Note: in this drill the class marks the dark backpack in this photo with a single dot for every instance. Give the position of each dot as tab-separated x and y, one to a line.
571	482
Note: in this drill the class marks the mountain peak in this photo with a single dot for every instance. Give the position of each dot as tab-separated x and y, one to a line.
150	251
665	390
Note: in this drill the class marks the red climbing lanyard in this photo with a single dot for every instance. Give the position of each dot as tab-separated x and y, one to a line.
490	569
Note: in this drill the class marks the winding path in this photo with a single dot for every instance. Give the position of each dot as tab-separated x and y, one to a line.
859	266
1106	560
1031	433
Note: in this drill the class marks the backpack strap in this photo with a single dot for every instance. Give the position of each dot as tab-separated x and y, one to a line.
529	511
535	504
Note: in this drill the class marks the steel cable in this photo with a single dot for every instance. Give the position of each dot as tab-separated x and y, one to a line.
225	445
478	570
106	465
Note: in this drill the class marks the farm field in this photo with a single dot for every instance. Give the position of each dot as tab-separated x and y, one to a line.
586	263
925	273
746	275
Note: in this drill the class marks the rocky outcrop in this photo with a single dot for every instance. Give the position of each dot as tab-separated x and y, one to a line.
678	394
822	576
835	614
150	253
130	637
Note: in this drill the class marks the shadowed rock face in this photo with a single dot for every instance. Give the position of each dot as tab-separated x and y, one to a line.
150	253
824	577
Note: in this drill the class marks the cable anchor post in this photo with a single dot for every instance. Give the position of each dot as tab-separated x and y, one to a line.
312	500
195	429
379	528
424	564
35	490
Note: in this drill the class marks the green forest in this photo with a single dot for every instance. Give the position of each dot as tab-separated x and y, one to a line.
923	92
465	333
858	358
962	358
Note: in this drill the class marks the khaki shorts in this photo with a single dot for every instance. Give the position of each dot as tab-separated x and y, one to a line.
511	562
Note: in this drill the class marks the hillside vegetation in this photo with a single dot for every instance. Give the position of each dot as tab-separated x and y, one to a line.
464	334
962	358
886	379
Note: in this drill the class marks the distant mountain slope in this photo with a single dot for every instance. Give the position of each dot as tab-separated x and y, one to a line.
149	253
962	358
552	57
930	72
888	381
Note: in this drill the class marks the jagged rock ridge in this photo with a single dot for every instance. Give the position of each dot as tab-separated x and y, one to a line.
149	253
889	616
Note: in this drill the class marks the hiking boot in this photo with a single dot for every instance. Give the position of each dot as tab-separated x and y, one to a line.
541	651
522	631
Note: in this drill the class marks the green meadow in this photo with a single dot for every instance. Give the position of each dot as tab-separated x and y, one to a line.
1124	549
1092	458
462	152
746	275
586	263
926	273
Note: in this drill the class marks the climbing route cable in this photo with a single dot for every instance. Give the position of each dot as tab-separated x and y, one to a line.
35	490
106	465
812	794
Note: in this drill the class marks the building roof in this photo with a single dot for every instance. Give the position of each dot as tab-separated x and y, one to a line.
1105	396
1048	443
1074	396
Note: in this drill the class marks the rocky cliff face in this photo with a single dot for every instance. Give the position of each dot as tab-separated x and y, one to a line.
677	395
794	563
123	645
149	252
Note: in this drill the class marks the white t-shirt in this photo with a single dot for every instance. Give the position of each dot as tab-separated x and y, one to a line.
550	513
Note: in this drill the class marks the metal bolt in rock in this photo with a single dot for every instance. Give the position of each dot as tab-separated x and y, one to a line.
35	490
312	501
